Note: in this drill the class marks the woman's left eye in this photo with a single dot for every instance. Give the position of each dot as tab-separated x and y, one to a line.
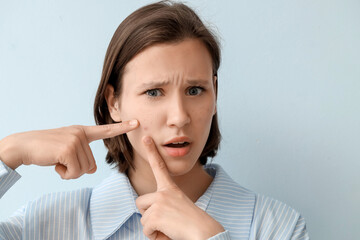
195	91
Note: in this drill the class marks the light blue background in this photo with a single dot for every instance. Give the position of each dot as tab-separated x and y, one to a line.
289	94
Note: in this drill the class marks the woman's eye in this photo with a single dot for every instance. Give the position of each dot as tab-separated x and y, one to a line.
195	90
153	92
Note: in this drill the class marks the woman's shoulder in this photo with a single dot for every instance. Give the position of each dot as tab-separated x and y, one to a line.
79	198
273	219
265	217
268	207
52	214
61	203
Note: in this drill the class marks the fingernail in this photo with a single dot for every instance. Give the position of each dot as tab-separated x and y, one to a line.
147	140
133	122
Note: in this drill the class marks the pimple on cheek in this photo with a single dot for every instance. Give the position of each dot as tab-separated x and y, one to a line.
144	130
145	125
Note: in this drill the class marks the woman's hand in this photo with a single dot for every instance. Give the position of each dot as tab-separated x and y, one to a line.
67	148
168	212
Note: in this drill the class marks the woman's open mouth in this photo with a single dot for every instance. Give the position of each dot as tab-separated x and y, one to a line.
178	147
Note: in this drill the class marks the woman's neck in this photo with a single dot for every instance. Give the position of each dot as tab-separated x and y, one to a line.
194	183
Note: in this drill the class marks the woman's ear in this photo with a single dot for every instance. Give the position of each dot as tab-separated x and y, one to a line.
215	89
113	103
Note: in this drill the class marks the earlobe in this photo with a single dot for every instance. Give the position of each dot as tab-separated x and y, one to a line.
113	104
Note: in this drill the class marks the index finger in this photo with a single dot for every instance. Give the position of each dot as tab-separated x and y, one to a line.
109	130
158	166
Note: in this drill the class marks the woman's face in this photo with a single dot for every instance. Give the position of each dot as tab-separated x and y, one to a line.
170	89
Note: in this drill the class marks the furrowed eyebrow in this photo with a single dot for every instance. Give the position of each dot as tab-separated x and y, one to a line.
196	82
152	85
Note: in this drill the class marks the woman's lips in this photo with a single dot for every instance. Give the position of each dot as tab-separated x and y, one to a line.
178	146
178	151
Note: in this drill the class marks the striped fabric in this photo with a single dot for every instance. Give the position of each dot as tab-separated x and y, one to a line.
108	211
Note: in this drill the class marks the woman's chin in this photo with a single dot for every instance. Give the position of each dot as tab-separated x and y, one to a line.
179	167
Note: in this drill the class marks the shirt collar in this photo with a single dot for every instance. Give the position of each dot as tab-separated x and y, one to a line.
230	204
112	203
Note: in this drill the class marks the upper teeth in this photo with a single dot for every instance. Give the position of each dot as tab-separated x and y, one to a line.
179	143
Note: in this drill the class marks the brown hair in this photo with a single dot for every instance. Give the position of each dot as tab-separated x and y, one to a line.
161	22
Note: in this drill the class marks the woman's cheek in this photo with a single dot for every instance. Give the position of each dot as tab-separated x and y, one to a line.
136	136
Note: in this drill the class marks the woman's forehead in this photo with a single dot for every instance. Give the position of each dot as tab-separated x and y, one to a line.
188	60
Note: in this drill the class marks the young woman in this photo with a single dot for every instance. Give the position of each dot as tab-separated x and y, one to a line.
156	111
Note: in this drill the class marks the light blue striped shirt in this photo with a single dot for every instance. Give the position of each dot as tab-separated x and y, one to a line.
108	211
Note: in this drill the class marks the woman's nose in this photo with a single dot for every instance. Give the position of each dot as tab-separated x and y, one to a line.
178	113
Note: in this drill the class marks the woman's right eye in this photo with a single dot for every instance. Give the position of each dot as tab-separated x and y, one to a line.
153	92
